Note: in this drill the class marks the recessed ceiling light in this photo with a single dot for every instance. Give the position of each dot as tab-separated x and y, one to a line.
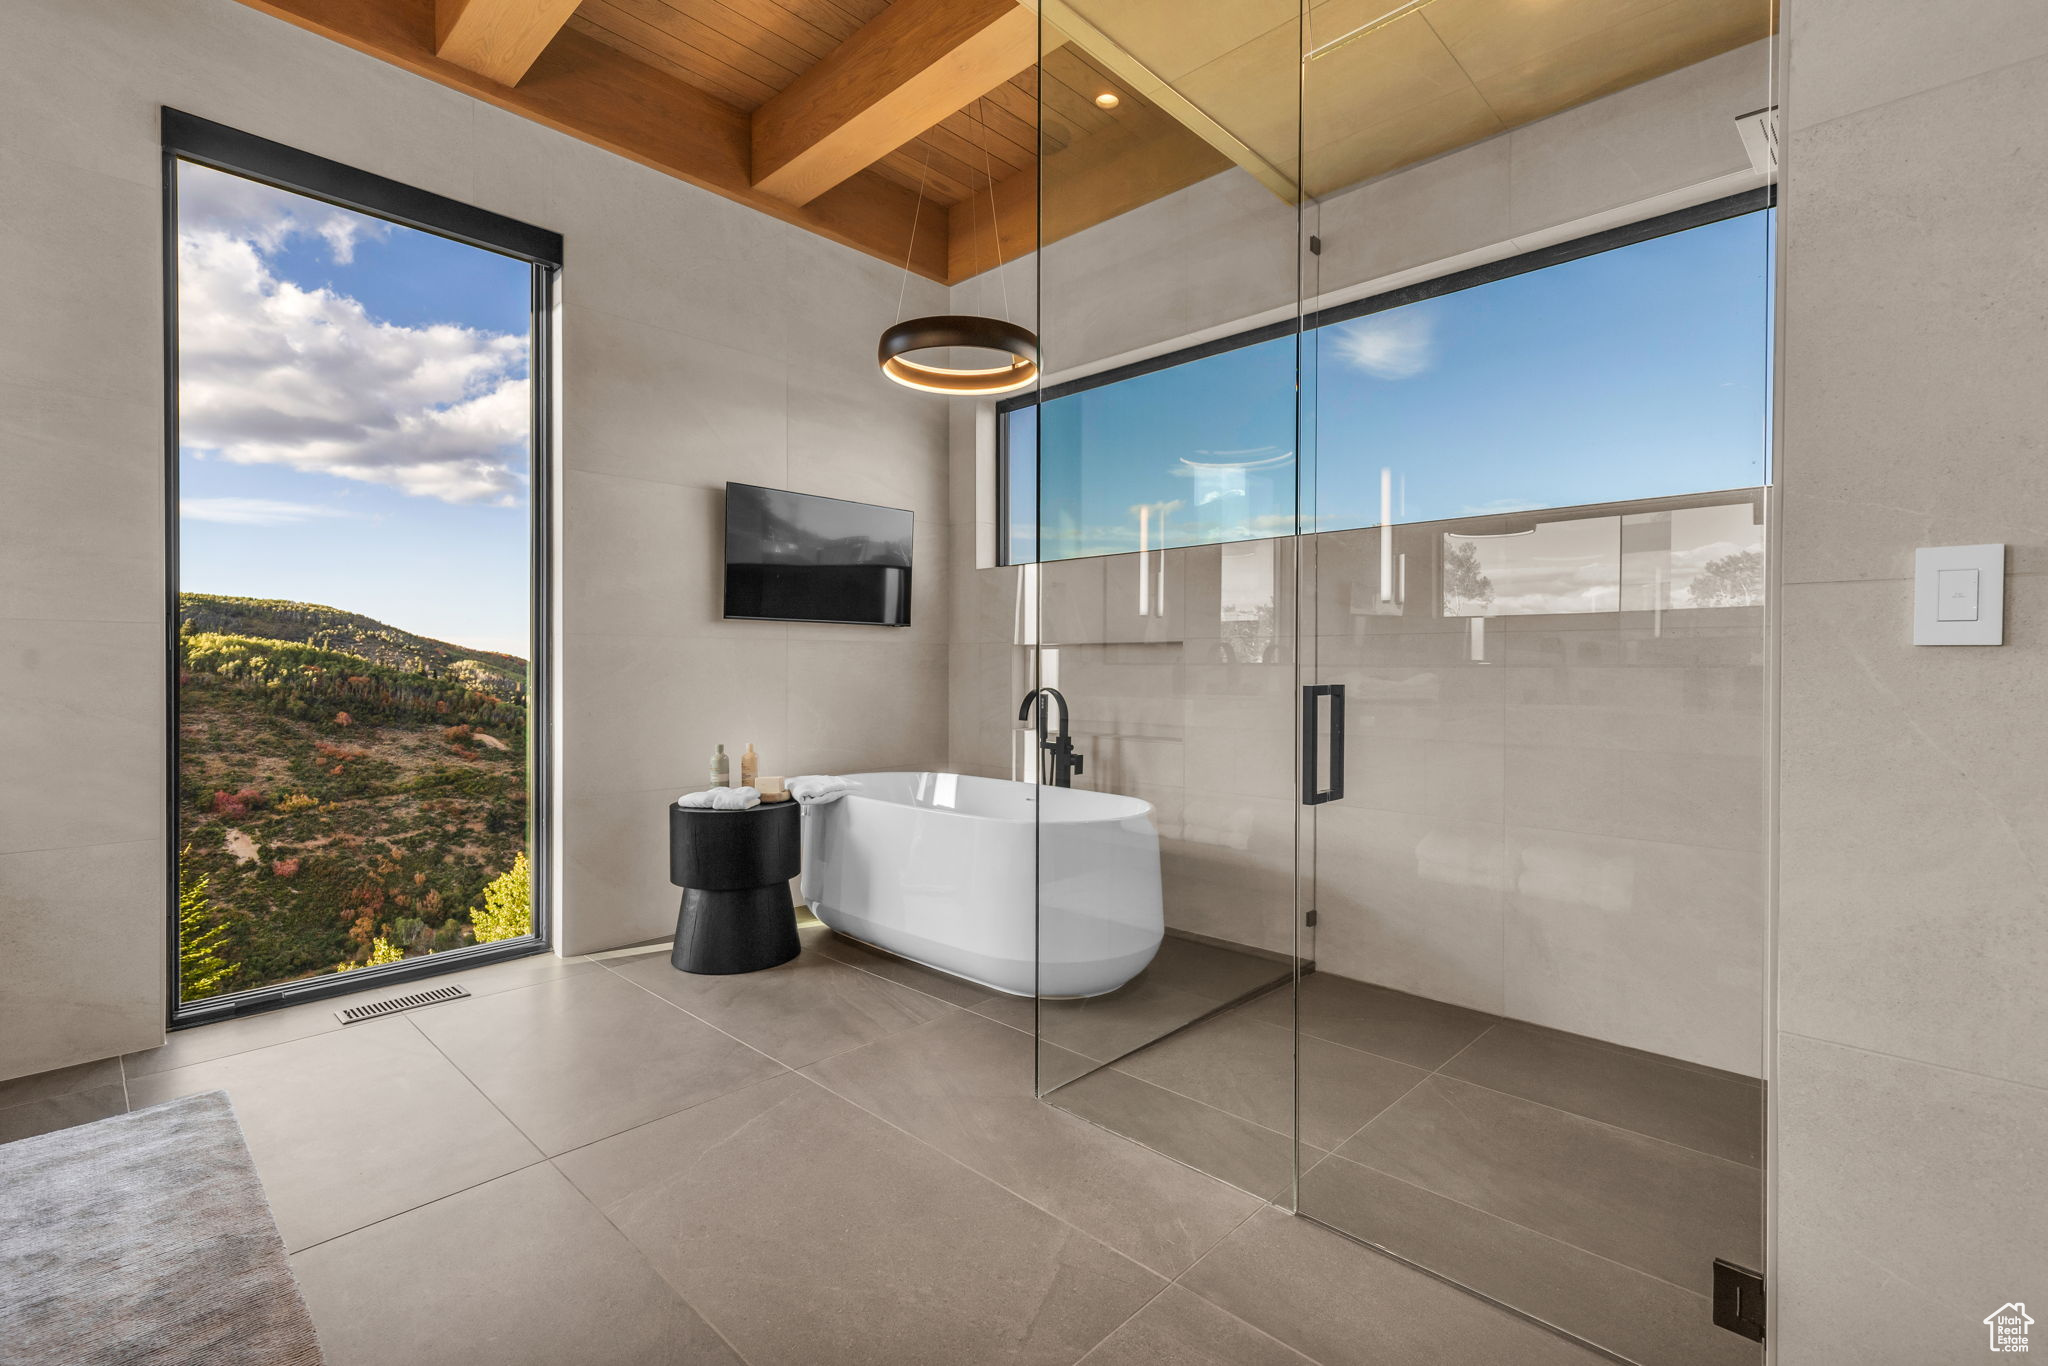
1108	99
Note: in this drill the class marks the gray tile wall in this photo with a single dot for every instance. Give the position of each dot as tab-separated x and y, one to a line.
701	342
1912	1074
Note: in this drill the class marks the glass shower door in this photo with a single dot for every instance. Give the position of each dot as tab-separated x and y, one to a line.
1536	339
1163	508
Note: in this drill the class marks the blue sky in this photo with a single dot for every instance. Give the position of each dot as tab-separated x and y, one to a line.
1634	373
353	406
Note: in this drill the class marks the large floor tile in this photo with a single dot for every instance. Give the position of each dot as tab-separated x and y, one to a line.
807	1230
62	1081
225	1038
1018	1012
353	1126
1648	1320
808	1008
1105	1028
1346	1305
1712	1111
50	1113
245	1033
1181	1328
590	1054
520	1271
1246	1066
1411	1029
1226	1146
964	1086
1640	1201
493	978
1213	971
953	990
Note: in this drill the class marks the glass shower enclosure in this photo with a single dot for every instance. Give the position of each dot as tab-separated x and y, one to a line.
1392	520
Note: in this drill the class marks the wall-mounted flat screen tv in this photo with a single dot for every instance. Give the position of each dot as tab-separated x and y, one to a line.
799	557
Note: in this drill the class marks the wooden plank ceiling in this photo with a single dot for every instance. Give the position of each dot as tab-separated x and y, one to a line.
914	129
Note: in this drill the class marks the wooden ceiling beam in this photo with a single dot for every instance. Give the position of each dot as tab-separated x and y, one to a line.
905	71
497	39
582	88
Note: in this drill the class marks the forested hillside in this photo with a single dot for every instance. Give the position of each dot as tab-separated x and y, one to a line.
349	633
348	792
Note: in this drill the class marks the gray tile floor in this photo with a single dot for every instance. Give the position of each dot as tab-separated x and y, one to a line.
835	1162
1584	1183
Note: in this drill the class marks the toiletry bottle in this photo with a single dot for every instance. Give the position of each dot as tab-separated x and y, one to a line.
750	766
721	769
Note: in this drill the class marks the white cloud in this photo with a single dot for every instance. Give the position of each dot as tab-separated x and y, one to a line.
250	511
1396	345
271	373
267	216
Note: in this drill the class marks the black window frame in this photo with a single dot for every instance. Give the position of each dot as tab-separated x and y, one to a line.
189	138
1523	263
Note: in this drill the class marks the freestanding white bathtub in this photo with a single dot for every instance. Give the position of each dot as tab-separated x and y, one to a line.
1019	887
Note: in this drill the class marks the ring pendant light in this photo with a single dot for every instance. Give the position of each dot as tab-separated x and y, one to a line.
970	330
959	329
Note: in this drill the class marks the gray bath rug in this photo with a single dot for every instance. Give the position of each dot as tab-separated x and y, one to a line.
145	1240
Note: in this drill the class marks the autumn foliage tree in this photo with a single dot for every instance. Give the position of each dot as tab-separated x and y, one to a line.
507	912
350	790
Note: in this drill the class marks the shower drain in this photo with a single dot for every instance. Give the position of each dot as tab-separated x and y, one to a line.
392	1005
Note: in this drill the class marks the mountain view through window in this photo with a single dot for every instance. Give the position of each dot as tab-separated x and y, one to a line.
355	566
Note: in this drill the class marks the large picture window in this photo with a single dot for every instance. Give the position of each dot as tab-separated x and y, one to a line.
1594	373
359	466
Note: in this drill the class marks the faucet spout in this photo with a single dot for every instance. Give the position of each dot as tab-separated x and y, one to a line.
1060	744
1039	695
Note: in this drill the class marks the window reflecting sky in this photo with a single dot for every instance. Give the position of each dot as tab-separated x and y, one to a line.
1634	373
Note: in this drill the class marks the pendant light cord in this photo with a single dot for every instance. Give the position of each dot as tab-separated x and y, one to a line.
974	209
915	213
994	224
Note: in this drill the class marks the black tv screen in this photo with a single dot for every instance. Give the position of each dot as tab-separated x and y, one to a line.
799	557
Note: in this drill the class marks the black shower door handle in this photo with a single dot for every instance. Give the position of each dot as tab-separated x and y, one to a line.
1313	793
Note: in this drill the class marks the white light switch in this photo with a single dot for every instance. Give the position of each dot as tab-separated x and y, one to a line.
1955	595
1959	595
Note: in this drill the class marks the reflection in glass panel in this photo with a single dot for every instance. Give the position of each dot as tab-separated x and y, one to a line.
1711	556
1660	560
1248	607
1189	455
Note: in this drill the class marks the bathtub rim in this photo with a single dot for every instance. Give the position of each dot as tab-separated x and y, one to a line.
1145	810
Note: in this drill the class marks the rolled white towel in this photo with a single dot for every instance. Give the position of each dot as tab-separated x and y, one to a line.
818	788
722	799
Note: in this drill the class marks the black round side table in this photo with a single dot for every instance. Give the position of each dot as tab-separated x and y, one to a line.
734	868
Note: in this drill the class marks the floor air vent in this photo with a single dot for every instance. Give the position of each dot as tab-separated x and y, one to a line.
392	1005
